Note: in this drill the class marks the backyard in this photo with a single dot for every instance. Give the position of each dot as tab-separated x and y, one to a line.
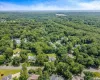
6	72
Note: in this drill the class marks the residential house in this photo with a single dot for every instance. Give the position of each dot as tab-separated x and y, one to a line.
33	77
52	59
32	58
56	77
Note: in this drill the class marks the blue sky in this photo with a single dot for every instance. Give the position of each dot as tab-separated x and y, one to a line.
49	5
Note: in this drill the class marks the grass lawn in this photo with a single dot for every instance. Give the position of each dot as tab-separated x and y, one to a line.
30	54
16	50
7	72
52	55
96	74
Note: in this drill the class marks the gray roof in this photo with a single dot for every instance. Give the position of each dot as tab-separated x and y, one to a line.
56	77
52	58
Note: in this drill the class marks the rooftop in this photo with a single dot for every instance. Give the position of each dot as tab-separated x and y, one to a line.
33	77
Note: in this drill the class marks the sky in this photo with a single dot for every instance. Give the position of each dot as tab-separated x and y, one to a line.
10	5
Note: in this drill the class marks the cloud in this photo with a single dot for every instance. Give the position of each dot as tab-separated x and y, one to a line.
53	5
41	6
94	5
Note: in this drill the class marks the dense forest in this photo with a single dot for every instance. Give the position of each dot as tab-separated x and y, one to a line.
63	43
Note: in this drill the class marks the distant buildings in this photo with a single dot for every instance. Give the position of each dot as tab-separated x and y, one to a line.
61	15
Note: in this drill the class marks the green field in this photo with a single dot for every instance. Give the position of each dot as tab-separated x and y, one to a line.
96	74
16	50
30	54
8	72
51	55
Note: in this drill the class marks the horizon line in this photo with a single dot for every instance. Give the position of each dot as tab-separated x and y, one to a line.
49	10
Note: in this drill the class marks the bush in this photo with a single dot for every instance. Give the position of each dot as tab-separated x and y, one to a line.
16	61
2	59
88	76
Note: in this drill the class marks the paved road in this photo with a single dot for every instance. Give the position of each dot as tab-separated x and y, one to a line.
12	67
33	67
92	70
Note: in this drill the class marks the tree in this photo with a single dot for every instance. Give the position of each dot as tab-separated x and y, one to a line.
88	76
15	78
22	44
61	51
2	59
24	72
40	59
93	51
68	75
76	52
14	44
70	47
23	55
44	76
16	61
62	67
8	52
89	61
65	58
2	49
96	63
49	67
77	68
80	59
37	71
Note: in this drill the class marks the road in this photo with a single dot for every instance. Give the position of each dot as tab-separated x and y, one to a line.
33	67
12	67
92	70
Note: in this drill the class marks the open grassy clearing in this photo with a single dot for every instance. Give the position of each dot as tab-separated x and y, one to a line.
31	54
51	55
96	74
16	50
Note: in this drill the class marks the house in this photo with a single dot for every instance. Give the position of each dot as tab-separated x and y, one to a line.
52	59
77	78
56	77
33	58
9	77
33	77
